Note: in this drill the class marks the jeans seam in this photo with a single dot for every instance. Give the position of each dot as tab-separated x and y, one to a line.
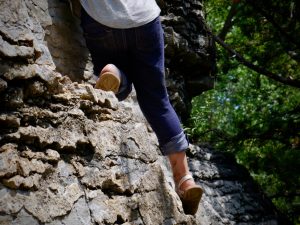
124	39
136	37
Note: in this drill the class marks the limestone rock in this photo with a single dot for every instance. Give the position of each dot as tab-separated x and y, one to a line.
19	182
24	218
190	53
11	201
71	154
8	161
10	51
3	85
46	205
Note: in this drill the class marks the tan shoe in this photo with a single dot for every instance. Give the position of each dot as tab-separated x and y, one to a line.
109	79
190	197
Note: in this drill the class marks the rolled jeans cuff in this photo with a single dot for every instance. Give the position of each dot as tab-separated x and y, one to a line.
178	143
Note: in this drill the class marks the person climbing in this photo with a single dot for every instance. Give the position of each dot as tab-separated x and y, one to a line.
125	39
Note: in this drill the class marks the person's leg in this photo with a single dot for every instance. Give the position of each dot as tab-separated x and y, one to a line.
106	47
153	99
180	168
109	79
148	78
113	79
149	82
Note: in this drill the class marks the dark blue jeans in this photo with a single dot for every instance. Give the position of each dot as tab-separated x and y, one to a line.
139	54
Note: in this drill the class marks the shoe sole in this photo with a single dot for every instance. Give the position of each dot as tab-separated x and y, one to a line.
191	199
108	82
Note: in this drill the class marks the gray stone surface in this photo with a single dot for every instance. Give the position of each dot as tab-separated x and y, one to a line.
70	154
190	52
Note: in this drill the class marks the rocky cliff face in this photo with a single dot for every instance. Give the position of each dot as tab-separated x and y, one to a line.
190	54
71	154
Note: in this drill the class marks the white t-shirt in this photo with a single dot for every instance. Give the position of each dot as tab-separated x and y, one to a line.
122	13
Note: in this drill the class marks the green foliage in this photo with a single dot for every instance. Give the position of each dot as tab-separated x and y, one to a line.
249	114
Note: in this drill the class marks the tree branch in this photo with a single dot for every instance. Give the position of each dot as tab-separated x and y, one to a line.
258	69
228	22
287	36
